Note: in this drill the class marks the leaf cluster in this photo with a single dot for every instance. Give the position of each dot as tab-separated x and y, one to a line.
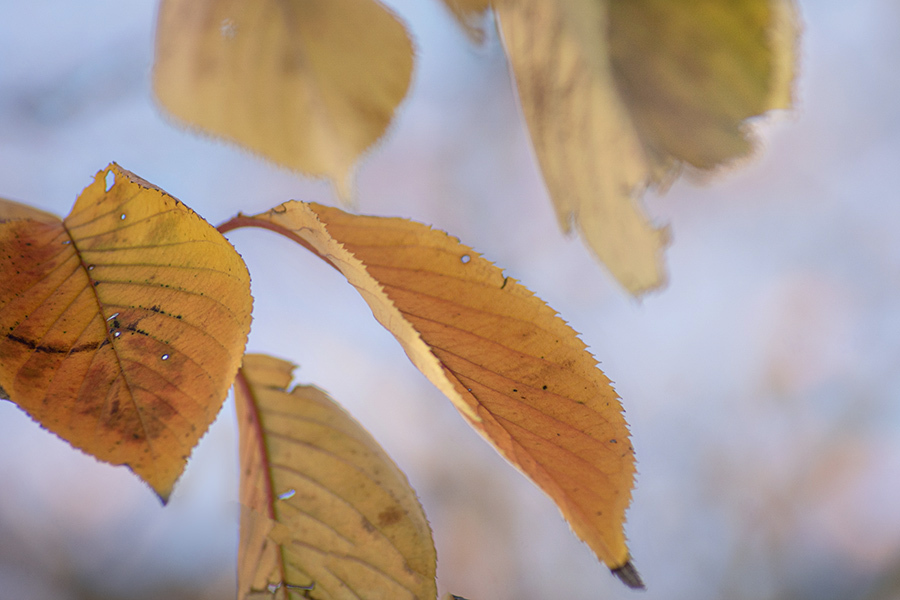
124	324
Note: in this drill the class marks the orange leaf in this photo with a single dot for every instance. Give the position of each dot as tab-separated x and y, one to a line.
323	506
515	370
309	84
122	326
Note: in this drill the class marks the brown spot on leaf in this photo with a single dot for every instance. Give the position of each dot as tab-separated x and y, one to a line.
52	349
368	526
389	516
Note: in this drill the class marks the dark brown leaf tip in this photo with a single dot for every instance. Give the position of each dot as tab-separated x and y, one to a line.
628	575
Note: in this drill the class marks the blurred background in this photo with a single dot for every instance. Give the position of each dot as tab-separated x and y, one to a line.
761	386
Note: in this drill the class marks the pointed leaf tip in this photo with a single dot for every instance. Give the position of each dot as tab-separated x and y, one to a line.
308	84
469	14
514	369
629	575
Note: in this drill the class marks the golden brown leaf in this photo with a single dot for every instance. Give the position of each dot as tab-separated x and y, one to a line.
324	507
618	94
121	327
309	84
515	370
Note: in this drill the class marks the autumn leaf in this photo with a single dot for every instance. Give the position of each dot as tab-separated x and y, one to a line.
324	508
309	84
121	326
619	95
516	371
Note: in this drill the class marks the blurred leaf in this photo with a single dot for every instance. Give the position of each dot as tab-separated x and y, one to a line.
468	13
309	84
123	325
515	370
324	507
619	94
692	72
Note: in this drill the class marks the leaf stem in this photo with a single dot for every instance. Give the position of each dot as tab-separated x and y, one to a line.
254	428
242	220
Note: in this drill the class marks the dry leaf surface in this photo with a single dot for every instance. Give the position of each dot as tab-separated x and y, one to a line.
309	84
326	513
122	326
515	370
618	95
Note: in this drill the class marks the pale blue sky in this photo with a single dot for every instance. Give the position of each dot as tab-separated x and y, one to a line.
762	386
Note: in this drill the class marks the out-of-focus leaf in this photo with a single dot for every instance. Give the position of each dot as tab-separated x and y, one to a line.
692	72
309	84
513	368
324	507
468	13
619	94
122	326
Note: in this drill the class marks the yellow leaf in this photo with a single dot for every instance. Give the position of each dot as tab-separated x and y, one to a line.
619	94
309	84
122	326
516	371
324	507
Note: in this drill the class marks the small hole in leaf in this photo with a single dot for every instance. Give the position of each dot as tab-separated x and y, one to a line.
113	317
90	267
122	217
228	28
110	180
465	258
288	494
165	357
67	242
117	334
